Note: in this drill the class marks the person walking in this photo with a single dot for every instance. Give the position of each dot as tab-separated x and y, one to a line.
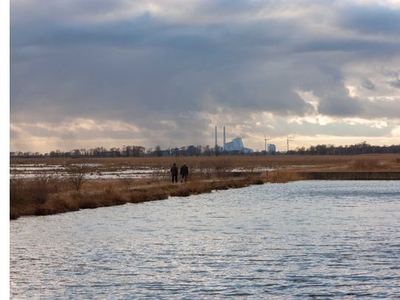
174	173
184	173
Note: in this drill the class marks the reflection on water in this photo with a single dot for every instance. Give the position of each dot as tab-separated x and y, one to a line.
303	239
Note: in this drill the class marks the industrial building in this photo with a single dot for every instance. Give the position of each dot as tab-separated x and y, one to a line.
271	148
236	145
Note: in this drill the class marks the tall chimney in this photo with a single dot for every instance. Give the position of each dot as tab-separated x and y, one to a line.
216	140
224	138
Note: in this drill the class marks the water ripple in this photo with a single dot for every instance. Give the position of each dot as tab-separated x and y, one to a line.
309	239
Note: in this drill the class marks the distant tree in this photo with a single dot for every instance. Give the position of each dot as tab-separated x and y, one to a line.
182	151
84	152
126	150
149	152
207	150
158	151
175	151
301	150
191	150
75	153
115	152
138	151
77	174
321	149
100	151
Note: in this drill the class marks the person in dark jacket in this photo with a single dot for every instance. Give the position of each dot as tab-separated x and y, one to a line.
184	173
174	173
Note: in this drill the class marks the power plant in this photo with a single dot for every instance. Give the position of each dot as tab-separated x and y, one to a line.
236	145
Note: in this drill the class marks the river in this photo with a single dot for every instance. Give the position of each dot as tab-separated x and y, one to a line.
304	239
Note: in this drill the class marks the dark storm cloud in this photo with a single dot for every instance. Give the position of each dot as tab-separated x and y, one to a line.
171	68
137	32
374	18
339	104
85	68
350	45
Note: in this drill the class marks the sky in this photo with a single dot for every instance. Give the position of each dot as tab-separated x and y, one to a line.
115	73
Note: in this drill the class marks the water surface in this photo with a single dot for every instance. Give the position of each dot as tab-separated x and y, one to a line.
320	239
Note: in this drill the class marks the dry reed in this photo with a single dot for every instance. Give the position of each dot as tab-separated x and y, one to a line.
49	195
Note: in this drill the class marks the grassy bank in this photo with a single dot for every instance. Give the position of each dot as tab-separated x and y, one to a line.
34	197
69	190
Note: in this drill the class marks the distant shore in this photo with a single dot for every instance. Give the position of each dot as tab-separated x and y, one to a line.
350	175
70	190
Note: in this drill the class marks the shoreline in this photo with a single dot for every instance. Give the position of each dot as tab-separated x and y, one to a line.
154	191
111	193
337	175
70	188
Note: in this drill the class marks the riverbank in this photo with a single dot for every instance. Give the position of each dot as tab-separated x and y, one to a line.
59	186
35	198
350	175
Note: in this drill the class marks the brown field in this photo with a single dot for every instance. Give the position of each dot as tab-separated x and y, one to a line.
50	194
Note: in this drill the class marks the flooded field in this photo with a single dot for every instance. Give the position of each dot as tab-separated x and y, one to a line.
95	171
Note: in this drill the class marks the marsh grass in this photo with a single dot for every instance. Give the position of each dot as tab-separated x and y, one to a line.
101	194
27	195
282	176
144	195
47	194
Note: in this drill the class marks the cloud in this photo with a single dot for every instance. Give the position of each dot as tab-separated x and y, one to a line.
371	19
395	83
172	70
368	84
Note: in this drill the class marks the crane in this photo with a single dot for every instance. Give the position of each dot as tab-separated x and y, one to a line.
287	144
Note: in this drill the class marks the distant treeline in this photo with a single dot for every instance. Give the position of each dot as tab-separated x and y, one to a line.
125	151
361	148
139	151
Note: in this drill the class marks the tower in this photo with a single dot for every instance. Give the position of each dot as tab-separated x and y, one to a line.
287	144
224	138
216	139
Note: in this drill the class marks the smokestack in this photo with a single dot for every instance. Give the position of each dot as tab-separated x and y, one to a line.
216	140
224	138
